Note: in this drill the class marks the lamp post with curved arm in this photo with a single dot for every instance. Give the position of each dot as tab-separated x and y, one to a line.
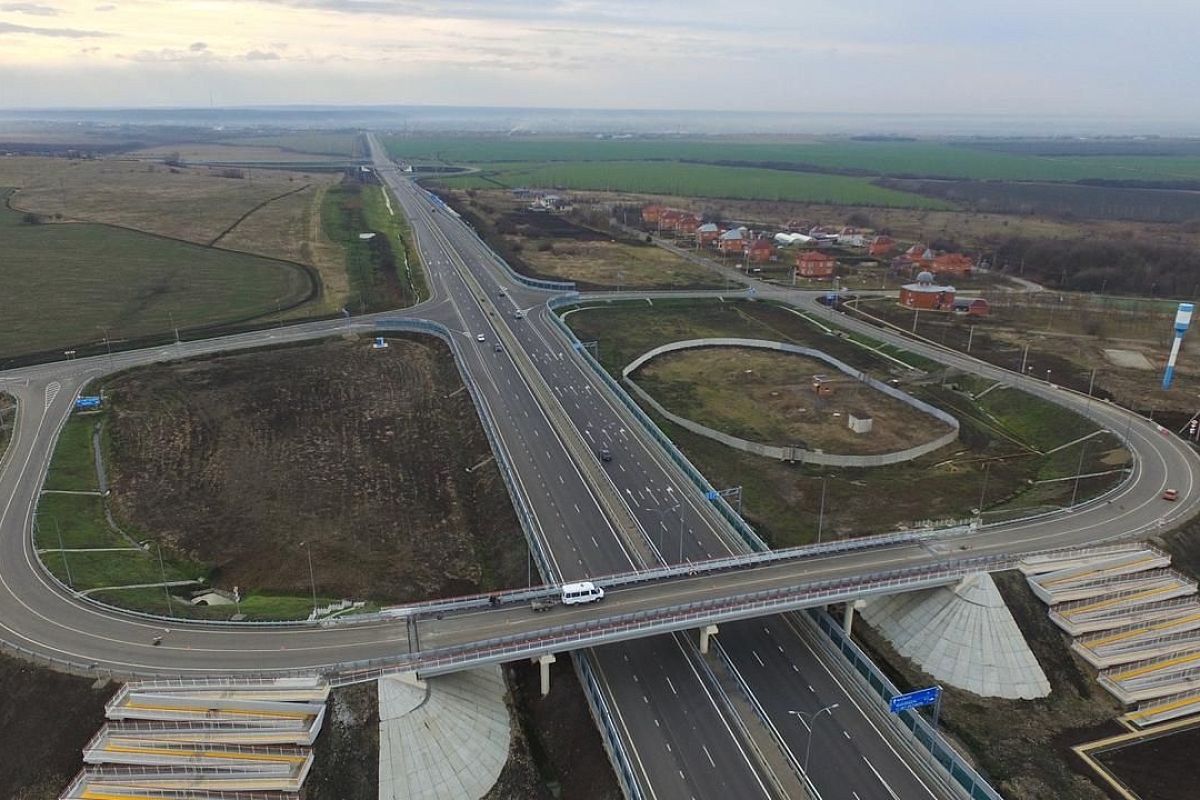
812	715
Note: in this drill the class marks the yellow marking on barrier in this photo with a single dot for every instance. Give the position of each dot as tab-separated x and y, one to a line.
1170	662
1139	631
192	754
1156	710
218	711
1117	600
1100	571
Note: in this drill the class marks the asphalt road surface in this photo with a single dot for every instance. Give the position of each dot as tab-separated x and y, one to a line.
679	734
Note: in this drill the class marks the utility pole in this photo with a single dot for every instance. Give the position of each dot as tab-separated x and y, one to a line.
63	550
162	570
821	513
1079	472
970	337
983	490
810	725
311	577
1024	357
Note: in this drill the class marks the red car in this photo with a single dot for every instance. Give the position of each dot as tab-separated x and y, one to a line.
1170	494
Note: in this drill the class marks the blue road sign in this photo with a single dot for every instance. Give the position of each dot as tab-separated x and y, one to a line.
921	697
87	402
712	494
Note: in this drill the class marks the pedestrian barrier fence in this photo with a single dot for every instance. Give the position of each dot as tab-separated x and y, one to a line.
743	529
962	773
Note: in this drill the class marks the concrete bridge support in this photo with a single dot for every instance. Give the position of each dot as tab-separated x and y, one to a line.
544	663
848	616
705	633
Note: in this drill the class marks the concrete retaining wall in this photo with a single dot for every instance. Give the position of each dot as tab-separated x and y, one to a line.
795	453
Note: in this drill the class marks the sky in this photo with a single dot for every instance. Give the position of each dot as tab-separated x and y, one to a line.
845	56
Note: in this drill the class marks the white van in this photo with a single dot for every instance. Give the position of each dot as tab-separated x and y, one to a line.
582	592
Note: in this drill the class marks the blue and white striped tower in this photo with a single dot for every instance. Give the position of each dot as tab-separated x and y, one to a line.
1183	318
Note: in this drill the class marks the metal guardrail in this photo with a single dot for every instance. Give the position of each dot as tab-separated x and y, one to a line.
743	529
609	736
964	776
588	633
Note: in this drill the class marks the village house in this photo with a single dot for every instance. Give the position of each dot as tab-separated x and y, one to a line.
926	295
707	233
811	264
732	241
650	214
881	246
851	237
760	251
952	265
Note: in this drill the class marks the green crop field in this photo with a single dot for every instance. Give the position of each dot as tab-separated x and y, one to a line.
325	144
696	180
68	284
915	158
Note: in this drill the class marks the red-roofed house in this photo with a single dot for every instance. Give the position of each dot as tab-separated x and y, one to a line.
650	214
707	233
954	265
760	251
811	264
925	295
732	241
881	246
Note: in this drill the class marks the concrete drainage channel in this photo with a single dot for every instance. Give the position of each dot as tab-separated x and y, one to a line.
183	740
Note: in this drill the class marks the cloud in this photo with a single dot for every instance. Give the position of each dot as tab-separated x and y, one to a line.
168	55
198	47
259	55
35	9
106	7
64	33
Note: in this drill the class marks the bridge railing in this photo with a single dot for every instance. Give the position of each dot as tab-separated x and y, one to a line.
740	525
588	633
974	785
609	735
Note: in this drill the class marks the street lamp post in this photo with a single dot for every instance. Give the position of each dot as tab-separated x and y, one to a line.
676	506
311	576
810	725
821	513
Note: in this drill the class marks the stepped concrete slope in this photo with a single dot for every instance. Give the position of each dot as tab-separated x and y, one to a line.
195	740
963	635
442	739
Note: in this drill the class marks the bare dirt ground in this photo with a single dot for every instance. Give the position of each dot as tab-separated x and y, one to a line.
567	748
769	397
45	720
361	454
1163	768
346	753
1022	746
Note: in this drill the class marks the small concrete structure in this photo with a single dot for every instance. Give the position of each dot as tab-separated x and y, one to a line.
706	633
544	663
962	635
859	422
442	739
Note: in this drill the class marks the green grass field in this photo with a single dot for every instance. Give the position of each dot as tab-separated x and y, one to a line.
384	272
783	501
73	467
917	158
66	285
694	180
323	144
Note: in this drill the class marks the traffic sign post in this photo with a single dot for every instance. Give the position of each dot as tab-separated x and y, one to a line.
921	697
86	402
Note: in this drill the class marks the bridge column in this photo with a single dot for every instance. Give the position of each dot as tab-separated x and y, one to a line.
848	617
544	663
705	632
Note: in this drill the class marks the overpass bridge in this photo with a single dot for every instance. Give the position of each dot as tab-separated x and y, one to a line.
449	636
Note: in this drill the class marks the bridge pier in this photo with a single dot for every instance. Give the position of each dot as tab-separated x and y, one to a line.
705	633
544	663
848	617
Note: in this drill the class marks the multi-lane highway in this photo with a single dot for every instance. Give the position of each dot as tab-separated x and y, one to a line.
592	518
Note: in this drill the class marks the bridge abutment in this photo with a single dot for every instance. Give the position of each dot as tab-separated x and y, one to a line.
706	632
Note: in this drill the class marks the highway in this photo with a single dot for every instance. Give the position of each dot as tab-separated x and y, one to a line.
680	736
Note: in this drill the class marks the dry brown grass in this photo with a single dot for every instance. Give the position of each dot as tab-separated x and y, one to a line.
198	151
193	204
290	228
614	264
768	397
